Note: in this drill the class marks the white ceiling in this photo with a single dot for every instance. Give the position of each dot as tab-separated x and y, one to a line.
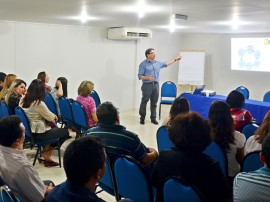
204	16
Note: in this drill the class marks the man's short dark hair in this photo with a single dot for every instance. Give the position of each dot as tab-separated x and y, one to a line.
82	159
147	52
190	132
235	99
2	76
10	130
107	113
266	149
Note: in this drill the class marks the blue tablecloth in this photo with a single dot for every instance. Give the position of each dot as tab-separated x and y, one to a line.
201	104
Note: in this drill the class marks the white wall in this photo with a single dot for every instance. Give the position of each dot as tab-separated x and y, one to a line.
83	53
218	73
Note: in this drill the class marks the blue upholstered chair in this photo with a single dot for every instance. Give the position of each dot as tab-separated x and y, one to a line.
38	144
66	112
168	94
7	195
95	96
163	141
131	180
216	153
249	129
49	101
4	110
244	91
80	118
266	97
251	162
175	189
107	182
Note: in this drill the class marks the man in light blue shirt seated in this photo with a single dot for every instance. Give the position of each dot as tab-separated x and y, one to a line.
255	186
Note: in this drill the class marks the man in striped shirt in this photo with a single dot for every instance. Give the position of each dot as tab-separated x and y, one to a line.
119	141
255	186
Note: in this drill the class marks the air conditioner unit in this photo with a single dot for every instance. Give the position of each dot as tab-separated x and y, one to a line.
127	33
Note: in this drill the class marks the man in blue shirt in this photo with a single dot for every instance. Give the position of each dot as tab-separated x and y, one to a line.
255	186
149	74
84	164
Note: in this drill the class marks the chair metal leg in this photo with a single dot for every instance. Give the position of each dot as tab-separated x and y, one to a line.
159	110
38	152
59	154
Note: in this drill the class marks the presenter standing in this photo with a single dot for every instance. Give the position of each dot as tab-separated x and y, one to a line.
149	74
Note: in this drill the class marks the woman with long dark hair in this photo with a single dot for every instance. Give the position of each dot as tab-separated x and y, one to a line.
59	90
180	106
38	114
231	141
190	135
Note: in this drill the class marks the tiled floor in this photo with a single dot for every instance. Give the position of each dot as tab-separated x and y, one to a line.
130	119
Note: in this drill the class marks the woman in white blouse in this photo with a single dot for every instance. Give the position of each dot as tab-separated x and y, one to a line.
38	115
225	135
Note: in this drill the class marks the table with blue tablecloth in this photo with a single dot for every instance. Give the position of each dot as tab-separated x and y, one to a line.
201	104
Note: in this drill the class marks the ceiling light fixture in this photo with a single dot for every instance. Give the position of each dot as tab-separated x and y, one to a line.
83	17
141	8
172	25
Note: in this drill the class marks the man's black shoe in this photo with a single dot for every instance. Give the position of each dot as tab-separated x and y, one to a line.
154	121
142	121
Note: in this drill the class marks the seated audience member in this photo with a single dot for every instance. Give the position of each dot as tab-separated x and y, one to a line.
254	142
15	169
84	90
16	91
117	139
180	105
2	79
59	90
84	164
7	83
255	186
44	77
225	135
38	115
241	117
190	134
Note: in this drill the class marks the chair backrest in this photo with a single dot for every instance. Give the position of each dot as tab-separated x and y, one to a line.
95	96
107	182
244	91
176	189
249	129
168	89
131	180
19	111
163	140
65	110
251	162
4	110
6	194
49	101
215	152
1	181
79	115
266	97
